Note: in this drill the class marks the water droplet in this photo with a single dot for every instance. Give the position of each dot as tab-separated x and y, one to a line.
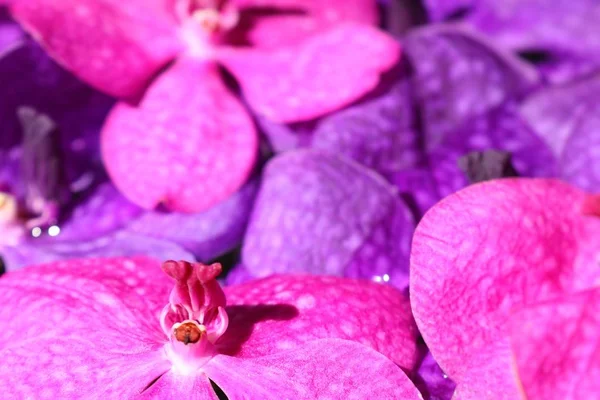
54	230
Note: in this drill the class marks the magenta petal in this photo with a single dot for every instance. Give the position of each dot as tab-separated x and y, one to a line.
488	249
297	309
189	145
556	348
107	43
459	75
302	82
331	368
172	386
324	214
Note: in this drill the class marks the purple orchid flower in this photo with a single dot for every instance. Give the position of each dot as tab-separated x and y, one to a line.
190	133
55	201
495	269
560	35
119	328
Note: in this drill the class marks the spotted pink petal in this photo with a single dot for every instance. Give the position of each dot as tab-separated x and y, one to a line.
331	368
189	145
291	21
487	250
113	45
557	348
373	314
295	83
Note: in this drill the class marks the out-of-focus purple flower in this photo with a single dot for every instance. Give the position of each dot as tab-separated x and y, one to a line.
290	59
492	251
561	34
321	213
163	337
55	201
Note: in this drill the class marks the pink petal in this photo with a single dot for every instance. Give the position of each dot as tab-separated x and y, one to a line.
557	348
65	322
488	249
332	368
320	75
295	309
113	45
172	386
292	20
189	145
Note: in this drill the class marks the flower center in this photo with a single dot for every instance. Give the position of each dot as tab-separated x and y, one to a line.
195	317
205	23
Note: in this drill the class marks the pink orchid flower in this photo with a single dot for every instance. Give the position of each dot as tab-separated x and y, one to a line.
294	60
121	329
502	289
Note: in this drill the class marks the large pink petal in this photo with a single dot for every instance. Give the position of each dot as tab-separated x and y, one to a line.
491	248
284	312
272	23
320	75
172	386
557	348
189	145
336	369
115	46
82	327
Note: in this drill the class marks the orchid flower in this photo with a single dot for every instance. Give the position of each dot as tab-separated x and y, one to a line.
495	270
561	35
189	143
120	328
55	201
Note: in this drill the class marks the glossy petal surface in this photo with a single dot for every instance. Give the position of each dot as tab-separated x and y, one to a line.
567	118
373	314
323	214
305	81
109	44
556	347
332	368
151	164
490	249
458	75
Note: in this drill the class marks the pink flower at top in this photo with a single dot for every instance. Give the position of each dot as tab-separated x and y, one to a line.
504	288
121	329
294	60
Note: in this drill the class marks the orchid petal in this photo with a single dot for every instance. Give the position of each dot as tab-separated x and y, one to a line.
312	78
114	46
323	214
329	368
151	164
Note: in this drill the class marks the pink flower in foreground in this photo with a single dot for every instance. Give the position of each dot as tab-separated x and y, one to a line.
501	274
120	329
294	60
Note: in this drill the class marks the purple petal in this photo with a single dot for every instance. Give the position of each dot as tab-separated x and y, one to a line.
323	214
567	118
502	129
433	382
458	75
207	234
321	369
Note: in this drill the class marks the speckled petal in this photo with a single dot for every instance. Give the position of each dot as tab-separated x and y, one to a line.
556	348
565	31
458	75
418	188
302	82
567	118
488	249
333	368
373	314
109	44
81	329
379	132
207	234
324	214
501	129
189	145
